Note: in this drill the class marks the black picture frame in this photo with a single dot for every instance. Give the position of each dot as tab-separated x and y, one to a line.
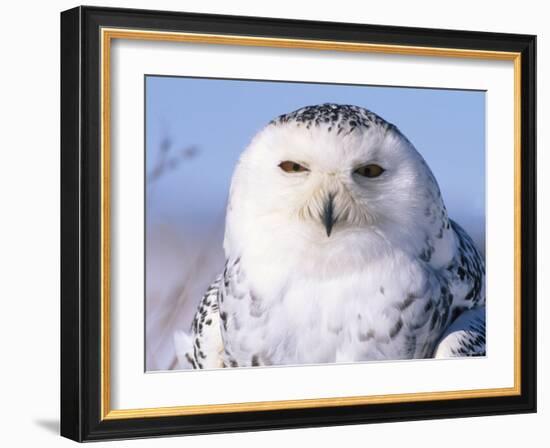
81	224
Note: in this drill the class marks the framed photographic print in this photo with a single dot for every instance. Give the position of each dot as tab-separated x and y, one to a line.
273	223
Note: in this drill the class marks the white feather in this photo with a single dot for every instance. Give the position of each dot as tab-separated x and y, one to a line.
183	343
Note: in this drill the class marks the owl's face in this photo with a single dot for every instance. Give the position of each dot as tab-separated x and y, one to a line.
325	179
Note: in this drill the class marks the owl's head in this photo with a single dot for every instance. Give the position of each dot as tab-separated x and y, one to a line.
330	172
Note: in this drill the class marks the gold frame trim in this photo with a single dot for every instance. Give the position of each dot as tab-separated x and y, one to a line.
107	35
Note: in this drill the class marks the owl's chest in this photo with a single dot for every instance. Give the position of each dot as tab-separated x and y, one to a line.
348	318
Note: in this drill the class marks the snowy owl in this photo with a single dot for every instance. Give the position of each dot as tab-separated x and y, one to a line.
338	249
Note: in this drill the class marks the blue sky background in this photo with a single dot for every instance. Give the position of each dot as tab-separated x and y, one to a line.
217	118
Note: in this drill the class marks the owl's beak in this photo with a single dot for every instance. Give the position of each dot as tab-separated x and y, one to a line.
328	217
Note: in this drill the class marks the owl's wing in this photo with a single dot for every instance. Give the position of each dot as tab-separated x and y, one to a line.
467	272
465	336
463	285
203	348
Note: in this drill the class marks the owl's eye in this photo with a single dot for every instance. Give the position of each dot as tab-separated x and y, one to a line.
292	167
371	170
